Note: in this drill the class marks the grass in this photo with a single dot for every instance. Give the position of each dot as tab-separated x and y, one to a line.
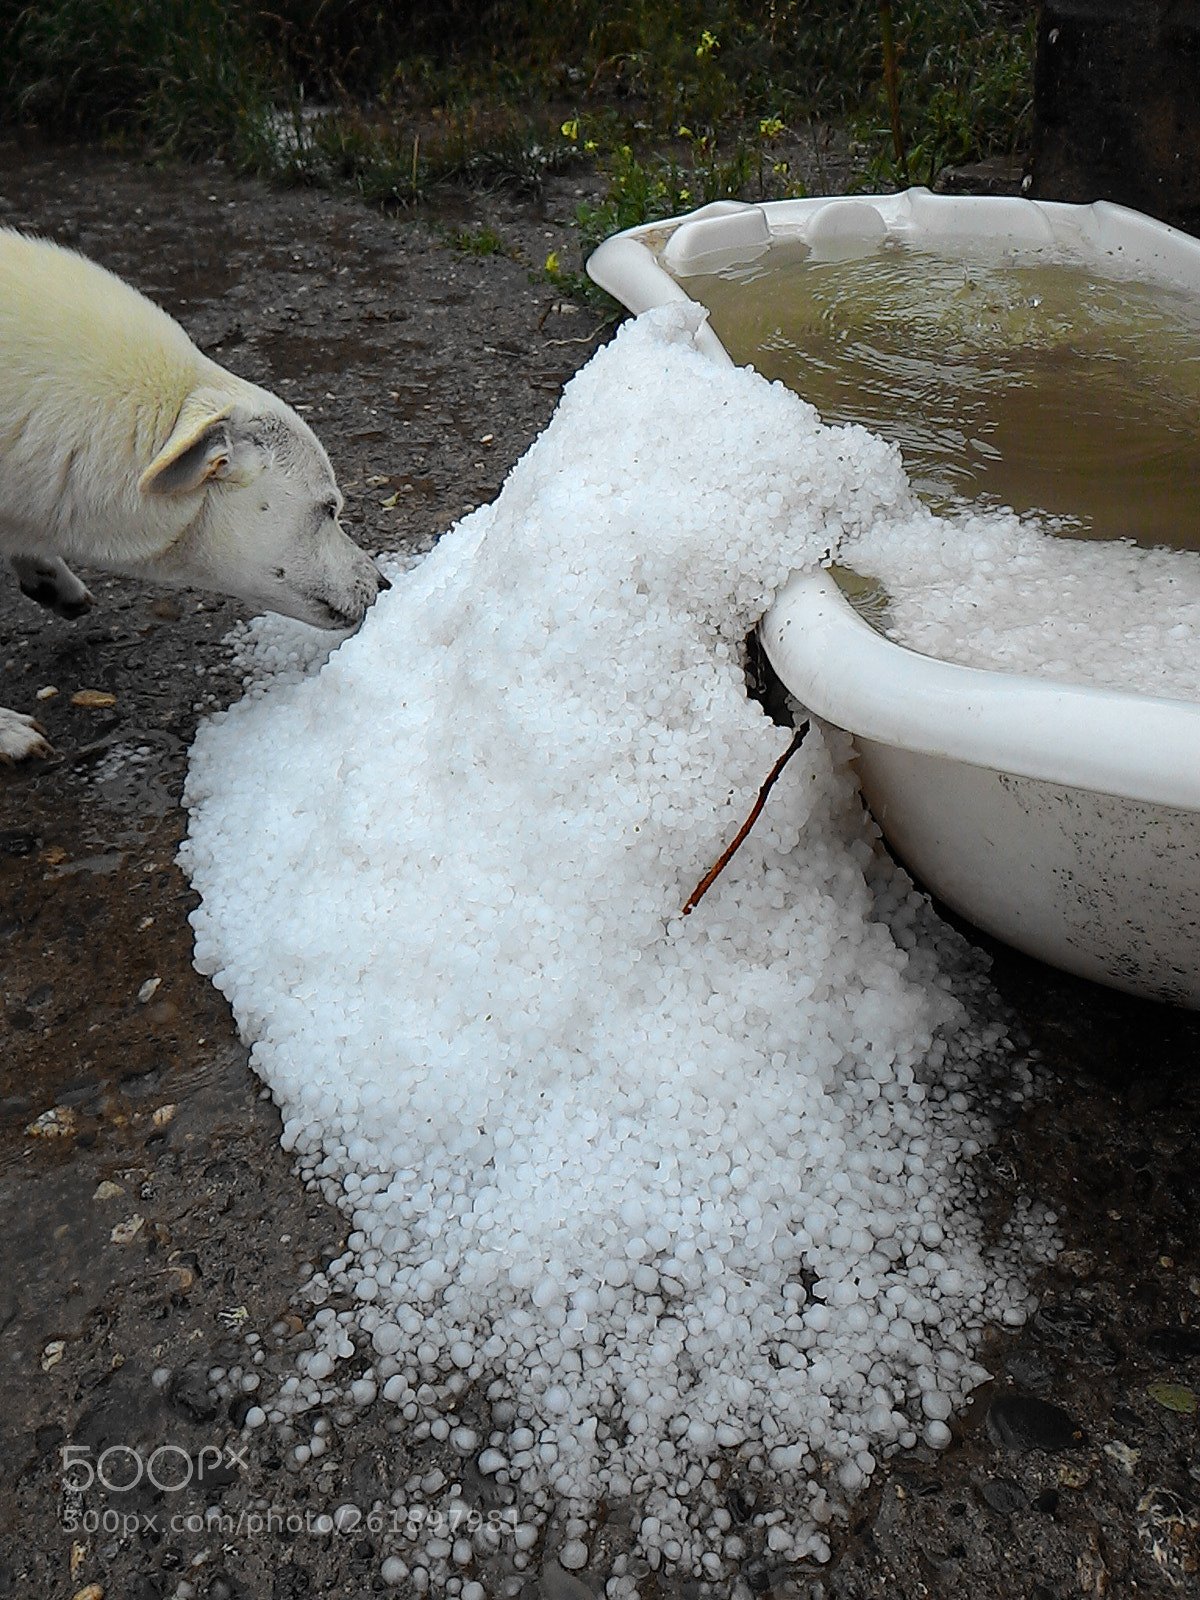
640	187
394	163
672	102
477	242
966	90
176	74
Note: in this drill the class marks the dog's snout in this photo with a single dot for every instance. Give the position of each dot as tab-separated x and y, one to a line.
381	583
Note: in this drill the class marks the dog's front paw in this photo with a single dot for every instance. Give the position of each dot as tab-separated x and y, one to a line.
21	737
52	584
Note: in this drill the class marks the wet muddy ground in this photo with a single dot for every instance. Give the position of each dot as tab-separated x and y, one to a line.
155	1240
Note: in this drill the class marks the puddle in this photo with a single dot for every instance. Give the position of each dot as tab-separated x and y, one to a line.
137	780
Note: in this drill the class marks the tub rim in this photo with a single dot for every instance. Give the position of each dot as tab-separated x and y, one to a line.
1081	736
627	263
1118	742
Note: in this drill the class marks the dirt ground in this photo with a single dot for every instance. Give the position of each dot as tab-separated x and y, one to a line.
155	1238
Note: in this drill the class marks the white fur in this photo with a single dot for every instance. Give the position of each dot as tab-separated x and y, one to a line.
20	736
125	448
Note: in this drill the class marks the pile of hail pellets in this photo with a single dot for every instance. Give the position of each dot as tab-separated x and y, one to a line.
997	591
648	1198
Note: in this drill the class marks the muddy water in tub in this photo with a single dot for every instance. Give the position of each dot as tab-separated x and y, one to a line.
1020	382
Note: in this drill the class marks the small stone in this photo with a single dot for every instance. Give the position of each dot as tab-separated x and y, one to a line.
53	1354
148	989
163	1115
93	699
1124	1455
1079	1263
125	1232
1023	1422
57	1123
47	692
90	1591
1002	1495
107	1190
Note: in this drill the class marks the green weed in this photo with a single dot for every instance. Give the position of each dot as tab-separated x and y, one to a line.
965	90
179	75
642	188
479	242
475	91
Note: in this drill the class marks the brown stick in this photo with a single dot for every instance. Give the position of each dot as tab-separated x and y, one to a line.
711	876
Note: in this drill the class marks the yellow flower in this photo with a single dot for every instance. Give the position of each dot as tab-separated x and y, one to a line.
590	144
685	133
770	127
552	266
570	130
708	43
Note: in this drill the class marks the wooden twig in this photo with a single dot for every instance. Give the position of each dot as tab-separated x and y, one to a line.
587	339
713	873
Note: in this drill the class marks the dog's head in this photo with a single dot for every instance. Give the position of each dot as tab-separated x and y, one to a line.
265	527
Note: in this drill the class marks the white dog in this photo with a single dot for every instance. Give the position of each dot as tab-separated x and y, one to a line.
123	447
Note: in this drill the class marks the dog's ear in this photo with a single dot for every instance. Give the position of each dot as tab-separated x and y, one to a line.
199	448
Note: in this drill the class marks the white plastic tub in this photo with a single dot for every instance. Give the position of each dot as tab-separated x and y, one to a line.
1065	820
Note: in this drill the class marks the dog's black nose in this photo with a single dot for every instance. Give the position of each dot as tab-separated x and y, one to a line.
381	582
